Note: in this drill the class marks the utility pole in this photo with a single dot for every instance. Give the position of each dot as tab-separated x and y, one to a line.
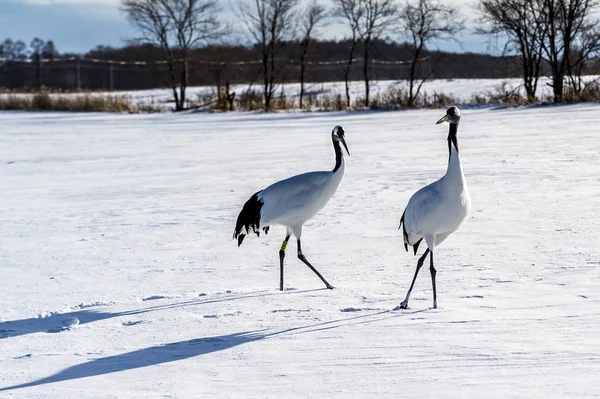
110	71
40	61
78	73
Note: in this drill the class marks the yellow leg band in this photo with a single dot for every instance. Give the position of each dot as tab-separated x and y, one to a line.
284	246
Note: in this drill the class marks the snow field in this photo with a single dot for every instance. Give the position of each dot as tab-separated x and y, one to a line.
125	222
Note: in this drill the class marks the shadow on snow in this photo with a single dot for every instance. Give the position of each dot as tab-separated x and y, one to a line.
54	322
145	357
176	350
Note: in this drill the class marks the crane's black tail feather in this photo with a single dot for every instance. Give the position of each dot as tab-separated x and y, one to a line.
249	218
405	235
416	246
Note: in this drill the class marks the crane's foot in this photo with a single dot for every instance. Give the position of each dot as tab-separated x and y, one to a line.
403	305
329	286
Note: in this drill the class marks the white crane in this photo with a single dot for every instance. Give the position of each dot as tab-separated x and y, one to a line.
292	202
439	209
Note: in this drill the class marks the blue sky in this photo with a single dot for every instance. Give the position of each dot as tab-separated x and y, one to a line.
74	26
80	25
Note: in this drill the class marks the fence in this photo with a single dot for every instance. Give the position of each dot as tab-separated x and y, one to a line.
72	73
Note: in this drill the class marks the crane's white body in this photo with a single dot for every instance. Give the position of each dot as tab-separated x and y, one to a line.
439	209
293	201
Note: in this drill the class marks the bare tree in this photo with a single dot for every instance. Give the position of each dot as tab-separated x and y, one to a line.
367	20
571	35
516	19
377	17
564	33
424	21
584	51
314	15
177	27
49	51
269	23
37	46
351	11
13	51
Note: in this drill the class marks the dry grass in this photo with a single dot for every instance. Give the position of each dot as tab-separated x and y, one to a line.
505	94
85	102
590	93
334	102
393	98
249	100
252	100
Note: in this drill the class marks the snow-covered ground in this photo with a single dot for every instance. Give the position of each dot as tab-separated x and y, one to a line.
123	224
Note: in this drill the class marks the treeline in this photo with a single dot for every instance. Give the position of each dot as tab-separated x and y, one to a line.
218	64
238	64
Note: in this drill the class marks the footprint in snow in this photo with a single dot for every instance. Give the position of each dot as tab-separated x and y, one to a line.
132	323
216	316
67	324
350	310
92	305
289	310
154	297
236	313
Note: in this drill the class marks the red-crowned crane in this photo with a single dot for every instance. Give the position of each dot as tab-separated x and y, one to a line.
292	202
439	209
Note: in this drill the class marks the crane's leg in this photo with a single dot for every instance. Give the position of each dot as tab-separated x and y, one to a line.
433	273
303	259
281	257
404	304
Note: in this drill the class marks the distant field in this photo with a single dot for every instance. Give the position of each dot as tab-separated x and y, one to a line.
462	90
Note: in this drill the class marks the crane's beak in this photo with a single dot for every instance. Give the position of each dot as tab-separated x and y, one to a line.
344	143
443	119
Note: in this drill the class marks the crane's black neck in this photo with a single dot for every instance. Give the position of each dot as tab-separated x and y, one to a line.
452	139
338	155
